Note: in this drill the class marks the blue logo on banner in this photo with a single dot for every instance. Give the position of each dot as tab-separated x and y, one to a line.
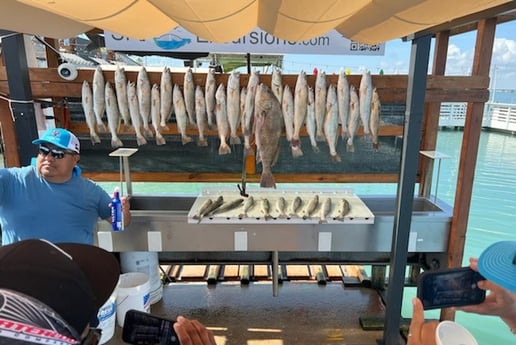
171	41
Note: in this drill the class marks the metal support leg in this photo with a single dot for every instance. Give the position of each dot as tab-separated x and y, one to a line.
275	263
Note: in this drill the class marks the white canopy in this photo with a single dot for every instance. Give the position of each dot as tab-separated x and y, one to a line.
366	21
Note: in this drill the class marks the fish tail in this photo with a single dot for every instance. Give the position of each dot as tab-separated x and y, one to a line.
147	131
315	148
376	146
101	127
336	158
350	147
116	142
160	140
296	151
224	149
185	139
140	140
202	142
235	140
267	180
320	136
164	126
95	139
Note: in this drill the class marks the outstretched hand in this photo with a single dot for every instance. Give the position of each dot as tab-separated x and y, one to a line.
192	332
420	332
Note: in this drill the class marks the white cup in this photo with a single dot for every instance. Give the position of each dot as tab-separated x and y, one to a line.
451	333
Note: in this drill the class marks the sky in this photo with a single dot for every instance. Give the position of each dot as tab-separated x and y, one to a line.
397	54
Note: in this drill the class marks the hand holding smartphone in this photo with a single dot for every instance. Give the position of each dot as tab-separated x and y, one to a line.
142	328
450	288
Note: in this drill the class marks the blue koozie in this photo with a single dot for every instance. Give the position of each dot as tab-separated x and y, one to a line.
117	216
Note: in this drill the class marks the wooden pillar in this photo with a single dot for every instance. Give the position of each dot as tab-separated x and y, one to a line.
468	158
8	135
53	62
431	117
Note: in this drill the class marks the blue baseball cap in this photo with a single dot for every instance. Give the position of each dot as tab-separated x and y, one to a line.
60	137
497	263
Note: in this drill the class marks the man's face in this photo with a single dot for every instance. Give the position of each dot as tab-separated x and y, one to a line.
56	164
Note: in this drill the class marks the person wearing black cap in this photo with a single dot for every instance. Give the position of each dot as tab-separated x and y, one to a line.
51	293
497	264
51	199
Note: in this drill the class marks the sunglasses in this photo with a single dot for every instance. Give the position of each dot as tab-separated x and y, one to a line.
57	154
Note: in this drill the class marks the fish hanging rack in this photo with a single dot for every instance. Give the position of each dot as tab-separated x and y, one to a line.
358	212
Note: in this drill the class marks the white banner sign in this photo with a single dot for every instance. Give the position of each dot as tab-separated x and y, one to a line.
255	42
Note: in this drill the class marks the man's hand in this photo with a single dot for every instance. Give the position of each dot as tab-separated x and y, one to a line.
192	332
421	332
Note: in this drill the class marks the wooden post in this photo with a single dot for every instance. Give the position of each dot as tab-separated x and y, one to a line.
468	158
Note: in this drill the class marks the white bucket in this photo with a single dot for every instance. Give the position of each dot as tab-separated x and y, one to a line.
107	318
133	292
146	262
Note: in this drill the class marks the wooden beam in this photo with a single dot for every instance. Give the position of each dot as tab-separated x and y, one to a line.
11	154
470	141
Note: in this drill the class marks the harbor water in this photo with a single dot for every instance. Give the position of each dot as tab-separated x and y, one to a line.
492	214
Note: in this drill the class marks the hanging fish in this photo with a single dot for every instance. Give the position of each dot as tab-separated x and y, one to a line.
89	113
374	124
222	120
181	116
155	115
267	132
287	107
99	98
343	102
121	95
310	119
354	116
200	115
189	94
300	108
134	111
165	90
143	91
320	104
331	123
209	94
113	115
276	84
233	106
365	96
248	116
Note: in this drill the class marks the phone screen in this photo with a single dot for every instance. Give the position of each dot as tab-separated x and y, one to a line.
141	328
449	288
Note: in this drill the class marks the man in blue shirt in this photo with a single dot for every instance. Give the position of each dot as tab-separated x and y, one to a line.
51	200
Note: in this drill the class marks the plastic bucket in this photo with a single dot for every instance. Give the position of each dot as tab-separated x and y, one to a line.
146	262
107	318
133	292
451	333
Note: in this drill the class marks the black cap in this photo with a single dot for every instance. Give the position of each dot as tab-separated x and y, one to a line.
73	279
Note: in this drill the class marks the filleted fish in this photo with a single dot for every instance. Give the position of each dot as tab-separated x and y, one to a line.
325	210
287	106
165	89
365	97
209	94
221	115
156	115
374	121
233	106
343	102
99	98
252	84
143	91
277	84
321	89
247	206
311	207
112	115
331	123
134	111
354	117
343	209
281	207
181	116
311	126
189	94
89	113
300	109
121	95
200	115
267	117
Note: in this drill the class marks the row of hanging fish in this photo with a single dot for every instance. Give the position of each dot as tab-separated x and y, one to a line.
316	207
322	110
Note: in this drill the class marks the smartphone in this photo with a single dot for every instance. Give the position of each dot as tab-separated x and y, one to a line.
142	328
450	288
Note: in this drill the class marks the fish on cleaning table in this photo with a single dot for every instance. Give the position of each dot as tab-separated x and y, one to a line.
325	210
211	207
202	210
281	207
226	207
296	206
266	207
247	206
267	117
311	207
343	209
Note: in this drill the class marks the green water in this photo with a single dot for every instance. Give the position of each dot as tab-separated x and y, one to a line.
493	210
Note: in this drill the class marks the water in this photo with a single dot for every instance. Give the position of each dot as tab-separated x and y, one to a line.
492	214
